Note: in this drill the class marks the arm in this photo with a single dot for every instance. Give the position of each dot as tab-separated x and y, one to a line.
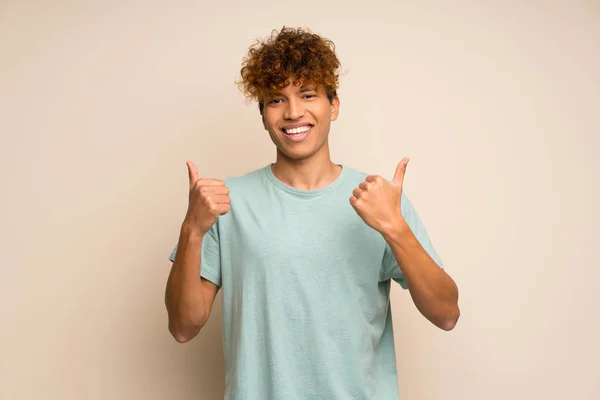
188	297
378	203
433	291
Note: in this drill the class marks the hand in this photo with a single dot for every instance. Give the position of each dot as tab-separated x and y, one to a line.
377	202
208	200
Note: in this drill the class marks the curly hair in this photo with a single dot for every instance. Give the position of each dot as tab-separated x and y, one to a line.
298	54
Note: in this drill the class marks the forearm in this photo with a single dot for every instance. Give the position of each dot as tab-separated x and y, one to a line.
183	296
433	291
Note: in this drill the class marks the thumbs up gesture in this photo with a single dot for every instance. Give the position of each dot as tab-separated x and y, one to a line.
377	202
208	200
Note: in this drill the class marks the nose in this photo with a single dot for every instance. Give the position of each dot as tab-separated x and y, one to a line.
293	109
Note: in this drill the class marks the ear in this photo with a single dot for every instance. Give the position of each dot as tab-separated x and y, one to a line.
261	110
262	117
335	108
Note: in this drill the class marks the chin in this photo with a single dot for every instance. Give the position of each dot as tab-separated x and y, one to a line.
296	155
297	151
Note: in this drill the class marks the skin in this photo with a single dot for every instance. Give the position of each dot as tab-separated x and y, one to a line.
433	291
305	165
189	297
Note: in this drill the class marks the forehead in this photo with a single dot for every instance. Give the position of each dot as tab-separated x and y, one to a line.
298	87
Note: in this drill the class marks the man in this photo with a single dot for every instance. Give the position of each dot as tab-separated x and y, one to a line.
304	249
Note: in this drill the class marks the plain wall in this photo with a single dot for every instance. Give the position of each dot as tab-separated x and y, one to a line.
102	102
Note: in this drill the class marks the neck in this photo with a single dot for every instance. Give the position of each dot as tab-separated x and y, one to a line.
311	173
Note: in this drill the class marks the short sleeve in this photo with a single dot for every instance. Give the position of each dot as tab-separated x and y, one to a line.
210	259
390	268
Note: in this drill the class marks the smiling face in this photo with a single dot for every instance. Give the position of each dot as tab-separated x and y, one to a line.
298	119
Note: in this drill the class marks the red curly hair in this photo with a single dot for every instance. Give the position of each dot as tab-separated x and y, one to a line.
298	54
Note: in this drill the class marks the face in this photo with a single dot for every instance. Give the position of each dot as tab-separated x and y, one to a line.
298	119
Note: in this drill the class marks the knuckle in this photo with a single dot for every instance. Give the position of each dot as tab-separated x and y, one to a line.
206	201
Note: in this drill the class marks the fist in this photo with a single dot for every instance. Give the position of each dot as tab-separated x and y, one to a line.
377	202
208	200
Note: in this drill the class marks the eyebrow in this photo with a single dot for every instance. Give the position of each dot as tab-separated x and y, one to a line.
308	88
303	89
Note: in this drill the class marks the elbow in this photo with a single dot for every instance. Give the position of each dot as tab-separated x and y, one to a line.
184	332
448	325
183	336
449	321
179	336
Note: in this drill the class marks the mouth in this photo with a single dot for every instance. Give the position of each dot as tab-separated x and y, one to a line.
297	131
297	134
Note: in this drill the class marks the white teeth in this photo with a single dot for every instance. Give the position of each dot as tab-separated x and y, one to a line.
296	131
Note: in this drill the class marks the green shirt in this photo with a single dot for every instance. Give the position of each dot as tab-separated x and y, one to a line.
306	284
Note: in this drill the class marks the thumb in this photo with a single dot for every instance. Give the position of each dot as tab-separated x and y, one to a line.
400	171
192	173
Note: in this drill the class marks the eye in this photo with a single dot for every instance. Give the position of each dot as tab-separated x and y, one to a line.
309	96
275	101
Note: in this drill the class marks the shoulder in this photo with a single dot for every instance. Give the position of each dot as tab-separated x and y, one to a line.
354	175
357	176
252	184
248	180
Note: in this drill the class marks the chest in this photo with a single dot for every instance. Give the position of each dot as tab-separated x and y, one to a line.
319	240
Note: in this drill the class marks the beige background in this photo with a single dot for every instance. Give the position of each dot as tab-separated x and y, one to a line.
497	104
